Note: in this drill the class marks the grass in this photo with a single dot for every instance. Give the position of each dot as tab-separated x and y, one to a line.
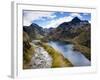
58	59
78	44
81	44
27	55
84	50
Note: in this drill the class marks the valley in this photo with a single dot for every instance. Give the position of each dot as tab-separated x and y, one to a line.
67	45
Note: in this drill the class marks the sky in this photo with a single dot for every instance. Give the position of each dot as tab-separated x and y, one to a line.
47	19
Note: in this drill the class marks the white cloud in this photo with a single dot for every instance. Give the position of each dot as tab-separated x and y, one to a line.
26	22
76	15
57	22
89	21
30	16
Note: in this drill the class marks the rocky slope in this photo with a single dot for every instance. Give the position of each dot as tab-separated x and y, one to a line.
77	32
34	31
36	56
70	29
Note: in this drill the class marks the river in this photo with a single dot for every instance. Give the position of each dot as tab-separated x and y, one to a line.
75	57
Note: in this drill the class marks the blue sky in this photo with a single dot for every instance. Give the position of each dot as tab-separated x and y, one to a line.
48	19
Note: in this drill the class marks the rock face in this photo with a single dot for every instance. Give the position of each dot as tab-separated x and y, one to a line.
41	59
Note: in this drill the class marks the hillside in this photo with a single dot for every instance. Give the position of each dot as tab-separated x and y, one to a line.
41	56
36	38
77	32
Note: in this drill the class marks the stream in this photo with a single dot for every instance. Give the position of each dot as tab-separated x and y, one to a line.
75	57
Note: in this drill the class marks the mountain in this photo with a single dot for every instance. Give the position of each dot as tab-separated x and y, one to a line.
77	32
76	20
66	30
70	29
34	31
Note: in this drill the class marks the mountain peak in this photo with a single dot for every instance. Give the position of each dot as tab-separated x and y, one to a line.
75	20
33	24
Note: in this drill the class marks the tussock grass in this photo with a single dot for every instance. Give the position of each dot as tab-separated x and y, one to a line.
27	56
84	50
58	59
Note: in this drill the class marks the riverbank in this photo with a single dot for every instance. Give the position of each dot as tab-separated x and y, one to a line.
70	56
84	50
39	58
81	48
44	56
58	58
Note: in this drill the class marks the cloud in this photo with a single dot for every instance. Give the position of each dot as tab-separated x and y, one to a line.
30	16
26	22
57	22
90	21
76	15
